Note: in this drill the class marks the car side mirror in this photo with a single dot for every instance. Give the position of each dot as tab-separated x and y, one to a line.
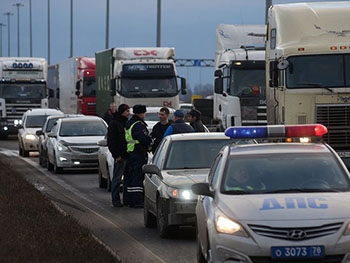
152	169
39	132
202	189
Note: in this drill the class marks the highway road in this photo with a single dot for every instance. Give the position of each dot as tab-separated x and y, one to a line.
121	229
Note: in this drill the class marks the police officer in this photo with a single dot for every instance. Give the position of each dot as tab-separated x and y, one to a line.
179	125
138	144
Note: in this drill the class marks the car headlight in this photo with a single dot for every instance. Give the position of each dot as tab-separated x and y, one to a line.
185	194
227	226
62	148
30	137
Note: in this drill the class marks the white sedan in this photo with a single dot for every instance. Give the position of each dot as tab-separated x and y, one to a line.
73	143
275	202
179	161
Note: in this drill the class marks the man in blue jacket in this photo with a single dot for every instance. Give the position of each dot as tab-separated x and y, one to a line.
179	125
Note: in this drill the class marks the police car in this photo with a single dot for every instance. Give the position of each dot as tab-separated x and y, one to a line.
275	202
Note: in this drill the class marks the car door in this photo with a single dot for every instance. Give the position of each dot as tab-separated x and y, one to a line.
50	144
152	181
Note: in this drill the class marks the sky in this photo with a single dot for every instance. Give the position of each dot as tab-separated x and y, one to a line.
187	25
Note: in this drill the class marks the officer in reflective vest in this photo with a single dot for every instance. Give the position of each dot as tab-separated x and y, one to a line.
138	144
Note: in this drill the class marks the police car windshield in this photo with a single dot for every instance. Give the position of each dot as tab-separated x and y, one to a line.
276	173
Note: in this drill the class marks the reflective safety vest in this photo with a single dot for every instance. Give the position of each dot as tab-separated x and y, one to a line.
129	139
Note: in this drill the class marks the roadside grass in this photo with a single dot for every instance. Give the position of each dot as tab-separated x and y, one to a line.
33	230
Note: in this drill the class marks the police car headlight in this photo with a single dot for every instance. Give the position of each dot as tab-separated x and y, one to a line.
185	194
227	226
30	137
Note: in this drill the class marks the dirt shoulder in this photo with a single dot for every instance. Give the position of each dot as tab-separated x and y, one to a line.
33	230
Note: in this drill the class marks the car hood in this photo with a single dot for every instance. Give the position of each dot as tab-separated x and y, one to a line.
286	206
184	178
82	139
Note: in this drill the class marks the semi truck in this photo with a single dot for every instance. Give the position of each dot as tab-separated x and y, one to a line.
134	75
23	85
74	85
239	87
307	68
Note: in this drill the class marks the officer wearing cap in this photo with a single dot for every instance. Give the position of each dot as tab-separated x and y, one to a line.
179	125
138	145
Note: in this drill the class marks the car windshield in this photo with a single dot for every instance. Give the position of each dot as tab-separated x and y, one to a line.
193	154
35	121
83	128
276	173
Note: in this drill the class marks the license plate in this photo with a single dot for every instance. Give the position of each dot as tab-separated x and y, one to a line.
343	154
297	252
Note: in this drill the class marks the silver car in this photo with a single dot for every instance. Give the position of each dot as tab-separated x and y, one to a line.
73	143
275	202
179	161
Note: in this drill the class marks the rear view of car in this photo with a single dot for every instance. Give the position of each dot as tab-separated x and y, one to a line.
73	143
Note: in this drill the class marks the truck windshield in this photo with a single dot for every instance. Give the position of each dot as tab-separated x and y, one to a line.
148	87
89	88
247	82
318	71
22	91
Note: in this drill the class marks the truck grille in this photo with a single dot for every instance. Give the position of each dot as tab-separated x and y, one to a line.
337	119
254	115
14	111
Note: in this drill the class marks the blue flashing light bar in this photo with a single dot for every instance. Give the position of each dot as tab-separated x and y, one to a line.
276	131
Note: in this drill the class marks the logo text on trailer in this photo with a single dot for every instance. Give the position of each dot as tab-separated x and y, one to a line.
143	52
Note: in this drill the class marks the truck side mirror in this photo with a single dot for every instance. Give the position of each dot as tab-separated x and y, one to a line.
77	88
273	81
219	85
113	87
218	73
183	86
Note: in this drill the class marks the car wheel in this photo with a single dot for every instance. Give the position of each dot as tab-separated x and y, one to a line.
200	256
101	181
41	158
49	165
20	150
25	153
56	169
149	219
109	184
162	219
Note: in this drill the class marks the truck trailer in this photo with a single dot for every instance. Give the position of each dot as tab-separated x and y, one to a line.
73	83
135	75
23	86
239	88
307	74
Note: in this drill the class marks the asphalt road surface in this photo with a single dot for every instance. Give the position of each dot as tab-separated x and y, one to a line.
121	229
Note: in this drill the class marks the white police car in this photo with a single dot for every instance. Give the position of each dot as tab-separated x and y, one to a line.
274	202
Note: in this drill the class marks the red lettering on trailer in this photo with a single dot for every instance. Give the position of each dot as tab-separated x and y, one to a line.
143	52
167	103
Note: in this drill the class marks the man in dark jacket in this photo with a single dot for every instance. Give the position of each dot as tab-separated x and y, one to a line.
138	144
194	117
117	146
160	127
179	125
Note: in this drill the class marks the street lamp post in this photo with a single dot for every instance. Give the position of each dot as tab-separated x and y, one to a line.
1	25
107	23
71	28
8	14
48	32
30	29
18	44
158	22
